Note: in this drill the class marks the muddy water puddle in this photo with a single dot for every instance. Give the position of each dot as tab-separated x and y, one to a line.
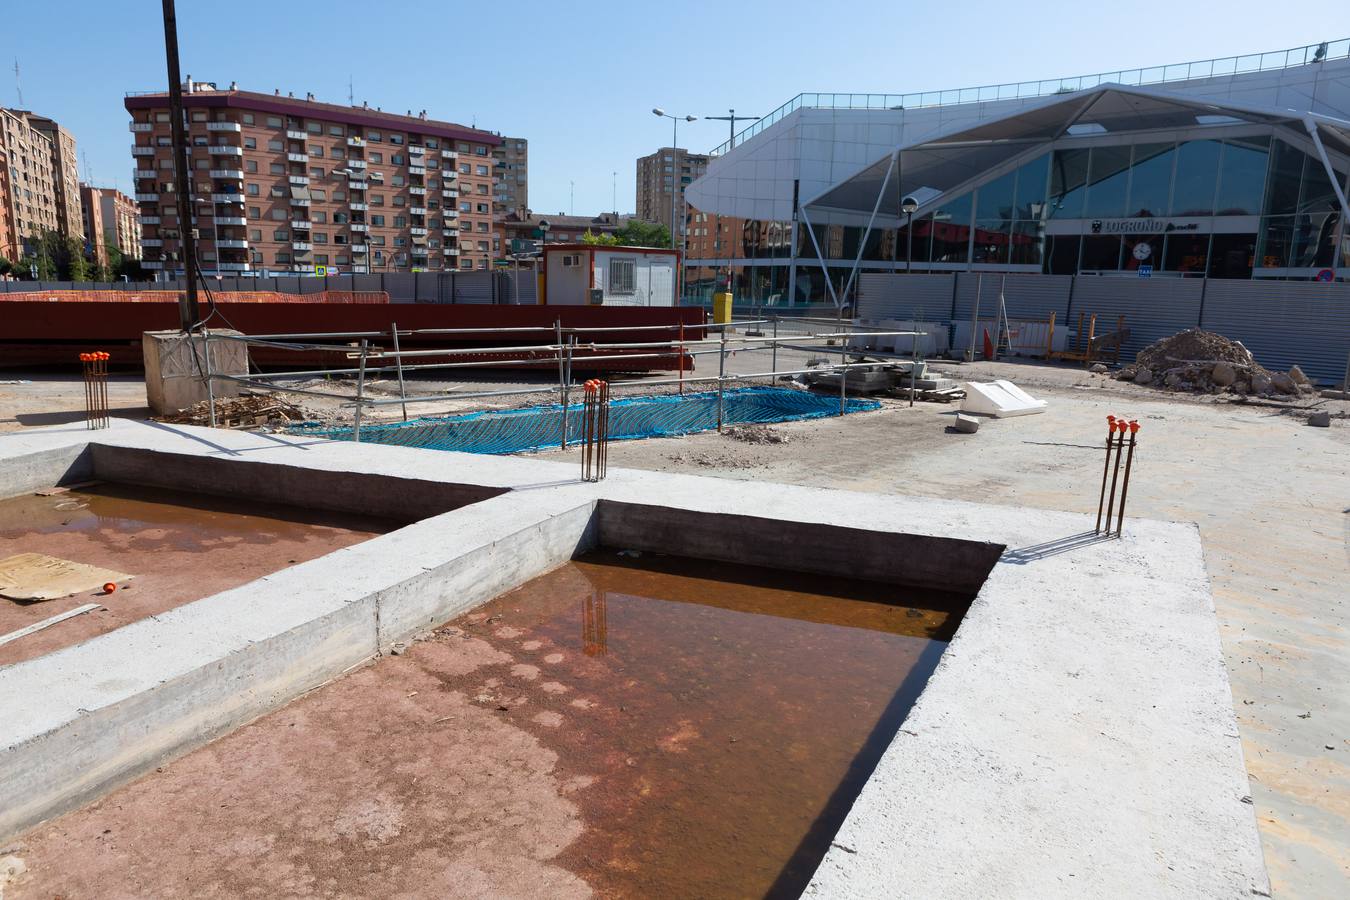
713	723
178	546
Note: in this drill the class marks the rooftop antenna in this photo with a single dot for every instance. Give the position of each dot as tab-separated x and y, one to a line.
351	96
18	88
614	191
572	199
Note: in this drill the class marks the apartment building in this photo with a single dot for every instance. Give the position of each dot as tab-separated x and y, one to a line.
9	238
510	168
43	192
111	219
661	180
281	184
521	227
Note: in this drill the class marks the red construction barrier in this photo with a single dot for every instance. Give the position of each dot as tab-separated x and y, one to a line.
172	297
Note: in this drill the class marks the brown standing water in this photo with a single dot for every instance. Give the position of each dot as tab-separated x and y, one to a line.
722	719
179	547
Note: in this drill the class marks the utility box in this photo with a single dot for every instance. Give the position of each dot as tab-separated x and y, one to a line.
578	274
722	307
175	364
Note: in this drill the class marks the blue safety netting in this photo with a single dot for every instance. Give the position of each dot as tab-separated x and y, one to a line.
539	427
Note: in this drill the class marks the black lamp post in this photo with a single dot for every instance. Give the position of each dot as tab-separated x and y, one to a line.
907	206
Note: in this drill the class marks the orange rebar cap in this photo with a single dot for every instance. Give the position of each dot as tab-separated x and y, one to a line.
1134	426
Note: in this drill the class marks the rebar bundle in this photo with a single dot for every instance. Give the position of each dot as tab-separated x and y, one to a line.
1116	429
595	430
95	388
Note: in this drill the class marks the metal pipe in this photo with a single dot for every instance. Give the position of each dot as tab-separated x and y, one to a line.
210	382
557	326
189	314
360	391
1125	488
721	370
1115	473
773	364
1106	467
402	388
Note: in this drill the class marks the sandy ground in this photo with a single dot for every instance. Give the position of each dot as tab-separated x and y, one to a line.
1271	496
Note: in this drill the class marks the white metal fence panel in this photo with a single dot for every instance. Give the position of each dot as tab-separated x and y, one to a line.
1285	323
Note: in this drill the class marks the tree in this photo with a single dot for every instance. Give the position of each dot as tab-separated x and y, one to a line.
643	234
599	240
6	267
72	254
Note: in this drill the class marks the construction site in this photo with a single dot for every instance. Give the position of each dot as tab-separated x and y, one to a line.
766	606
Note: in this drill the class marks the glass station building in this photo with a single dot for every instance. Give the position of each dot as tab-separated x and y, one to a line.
1233	168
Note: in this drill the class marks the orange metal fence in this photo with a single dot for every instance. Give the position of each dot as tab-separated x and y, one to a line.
221	296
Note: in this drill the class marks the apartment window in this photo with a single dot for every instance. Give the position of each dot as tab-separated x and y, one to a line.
277	169
400	200
480	151
321	259
480	170
250	143
482	246
161	117
277	215
316	172
397	181
320	237
396	139
318	216
400	221
482	189
340	218
483	208
483	227
257	256
276	192
255	212
251	166
339	239
377	220
400	242
316	150
281	234
163	141
432	164
314	127
253	190
376	158
275	145
283	256
373	136
432	143
464	169
255	234
274	121
396	159
318	194
377	240
338	152
199	116
339	195
623	276
336	130
247	118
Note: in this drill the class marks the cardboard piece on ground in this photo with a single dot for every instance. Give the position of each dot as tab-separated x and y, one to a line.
999	399
36	576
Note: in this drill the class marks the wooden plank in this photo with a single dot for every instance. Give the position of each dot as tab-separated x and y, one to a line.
46	623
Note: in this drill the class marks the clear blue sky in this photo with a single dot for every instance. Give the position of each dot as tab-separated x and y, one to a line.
579	79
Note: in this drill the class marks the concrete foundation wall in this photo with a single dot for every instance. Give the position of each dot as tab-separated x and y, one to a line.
915	560
60	465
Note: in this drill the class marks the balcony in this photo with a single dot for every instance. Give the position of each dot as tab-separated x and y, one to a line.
449	154
297	157
227	198
147	198
149	220
416	149
304	267
450	193
450	175
294	135
450	231
224	126
299	201
141	127
151	263
225	150
360	226
418	232
358	207
417	170
417	191
235	174
415	250
301	224
356	163
302	246
231	220
452	251
152	242
355	142
143	173
417	210
233	267
229	243
142	151
299	179
356	185
359	248
451	213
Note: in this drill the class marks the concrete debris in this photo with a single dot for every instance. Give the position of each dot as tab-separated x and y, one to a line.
1320	419
1098	369
244	411
756	434
966	424
1202	362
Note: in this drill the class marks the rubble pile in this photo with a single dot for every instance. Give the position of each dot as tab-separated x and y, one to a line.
248	410
1202	362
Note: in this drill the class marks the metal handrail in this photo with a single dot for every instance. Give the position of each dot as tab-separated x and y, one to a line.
1017	90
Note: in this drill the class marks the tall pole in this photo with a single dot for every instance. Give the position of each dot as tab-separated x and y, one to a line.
909	242
674	176
188	313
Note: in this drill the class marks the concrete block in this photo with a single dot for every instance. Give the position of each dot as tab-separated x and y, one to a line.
1320	419
966	424
174	364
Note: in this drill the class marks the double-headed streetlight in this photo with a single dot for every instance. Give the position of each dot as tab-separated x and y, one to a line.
675	145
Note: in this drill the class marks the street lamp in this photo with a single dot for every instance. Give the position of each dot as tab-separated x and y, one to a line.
907	206
675	145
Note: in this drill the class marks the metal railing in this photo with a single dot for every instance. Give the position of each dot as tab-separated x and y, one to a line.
1020	90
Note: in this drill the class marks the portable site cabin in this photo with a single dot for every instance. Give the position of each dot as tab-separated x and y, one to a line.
582	274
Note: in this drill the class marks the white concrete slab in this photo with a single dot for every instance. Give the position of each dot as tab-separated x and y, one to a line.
1077	738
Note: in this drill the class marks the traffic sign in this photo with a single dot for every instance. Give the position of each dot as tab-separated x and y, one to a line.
1145	271
1326	275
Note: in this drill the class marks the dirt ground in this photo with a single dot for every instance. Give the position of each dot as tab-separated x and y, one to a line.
1270	494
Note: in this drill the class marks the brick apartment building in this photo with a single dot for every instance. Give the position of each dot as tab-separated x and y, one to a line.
111	219
287	185
523	225
9	238
661	180
510	168
41	189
